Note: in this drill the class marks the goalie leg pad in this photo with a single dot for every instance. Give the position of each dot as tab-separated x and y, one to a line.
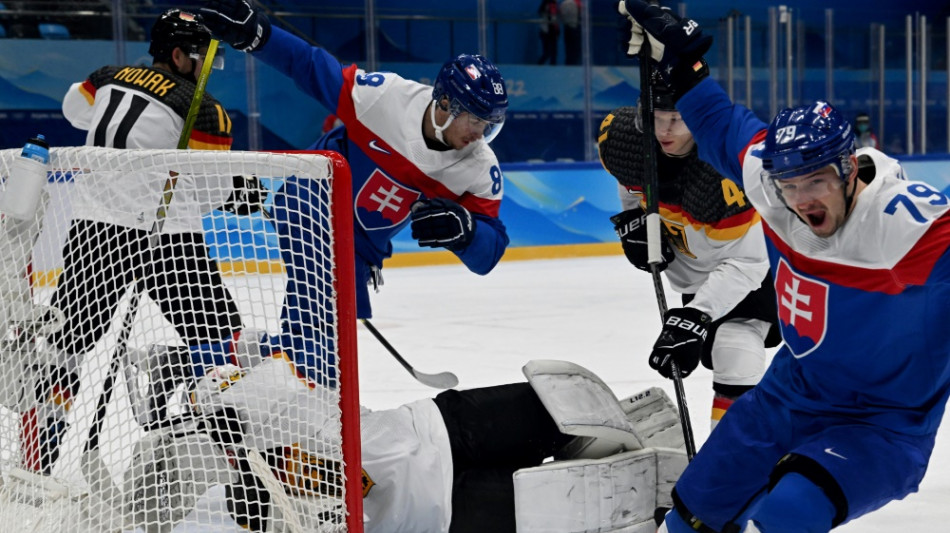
614	494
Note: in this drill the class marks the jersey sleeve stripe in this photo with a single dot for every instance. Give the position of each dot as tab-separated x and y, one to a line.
727	229
912	270
88	91
206	141
756	139
224	122
477	204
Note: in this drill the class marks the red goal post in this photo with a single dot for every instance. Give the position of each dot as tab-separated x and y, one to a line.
124	188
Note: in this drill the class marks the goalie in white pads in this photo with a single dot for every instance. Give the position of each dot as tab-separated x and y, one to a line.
462	461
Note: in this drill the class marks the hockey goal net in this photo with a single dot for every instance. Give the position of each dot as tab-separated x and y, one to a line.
178	344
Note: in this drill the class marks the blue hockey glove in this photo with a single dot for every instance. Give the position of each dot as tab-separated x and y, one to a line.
682	338
631	227
442	223
677	44
236	23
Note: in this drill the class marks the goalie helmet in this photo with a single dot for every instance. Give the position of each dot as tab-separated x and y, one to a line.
473	84
178	29
805	139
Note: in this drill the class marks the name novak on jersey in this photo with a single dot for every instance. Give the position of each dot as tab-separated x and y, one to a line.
149	79
130	90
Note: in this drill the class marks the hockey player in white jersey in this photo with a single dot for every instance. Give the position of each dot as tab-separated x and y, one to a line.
713	249
418	154
464	461
131	107
845	418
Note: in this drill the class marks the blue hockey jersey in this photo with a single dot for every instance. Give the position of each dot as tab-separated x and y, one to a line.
862	312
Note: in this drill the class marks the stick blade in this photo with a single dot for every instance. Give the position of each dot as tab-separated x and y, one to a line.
442	380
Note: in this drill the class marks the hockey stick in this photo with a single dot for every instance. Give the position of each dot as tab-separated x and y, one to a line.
442	380
654	255
92	466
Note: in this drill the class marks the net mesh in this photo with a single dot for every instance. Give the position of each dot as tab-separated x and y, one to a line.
177	349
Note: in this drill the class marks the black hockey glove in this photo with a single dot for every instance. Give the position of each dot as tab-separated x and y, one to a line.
236	23
442	223
676	44
631	227
248	196
682	338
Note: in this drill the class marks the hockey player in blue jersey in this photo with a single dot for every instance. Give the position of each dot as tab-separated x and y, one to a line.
844	419
418	153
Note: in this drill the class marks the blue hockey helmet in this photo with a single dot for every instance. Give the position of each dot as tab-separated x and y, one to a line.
472	84
802	140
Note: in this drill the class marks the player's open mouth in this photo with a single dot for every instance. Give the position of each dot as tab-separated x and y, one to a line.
816	218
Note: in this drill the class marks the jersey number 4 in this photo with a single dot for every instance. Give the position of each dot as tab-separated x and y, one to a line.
135	108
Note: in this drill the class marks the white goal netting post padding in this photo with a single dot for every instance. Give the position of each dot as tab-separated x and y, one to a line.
178	346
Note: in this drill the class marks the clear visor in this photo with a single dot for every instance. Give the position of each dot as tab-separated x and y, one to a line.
669	124
217	63
488	128
801	190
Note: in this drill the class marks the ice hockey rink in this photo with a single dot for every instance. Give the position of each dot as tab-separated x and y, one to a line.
599	312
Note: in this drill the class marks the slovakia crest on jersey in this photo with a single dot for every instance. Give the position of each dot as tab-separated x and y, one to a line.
382	202
802	309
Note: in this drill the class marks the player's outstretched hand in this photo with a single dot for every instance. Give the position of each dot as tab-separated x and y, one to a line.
442	223
631	227
682	338
236	23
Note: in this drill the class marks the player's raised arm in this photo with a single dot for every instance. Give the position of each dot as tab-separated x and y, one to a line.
314	70
723	130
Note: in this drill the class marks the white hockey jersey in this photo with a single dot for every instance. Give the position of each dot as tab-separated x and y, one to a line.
139	107
716	235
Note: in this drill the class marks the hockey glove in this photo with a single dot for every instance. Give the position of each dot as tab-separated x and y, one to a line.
682	338
236	23
674	41
248	196
442	223
631	227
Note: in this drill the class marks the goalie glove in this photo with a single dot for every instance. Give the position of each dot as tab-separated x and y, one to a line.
442	223
631	227
236	23
248	196
682	338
